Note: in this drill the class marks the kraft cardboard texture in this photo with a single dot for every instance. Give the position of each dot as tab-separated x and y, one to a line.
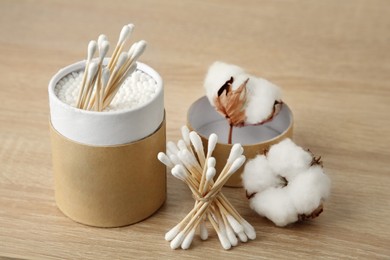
109	186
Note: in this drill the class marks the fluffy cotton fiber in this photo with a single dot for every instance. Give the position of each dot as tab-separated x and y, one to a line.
261	94
307	185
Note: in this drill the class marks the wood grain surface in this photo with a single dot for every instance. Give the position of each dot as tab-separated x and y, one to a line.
331	58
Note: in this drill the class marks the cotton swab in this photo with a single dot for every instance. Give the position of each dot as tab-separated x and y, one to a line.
210	203
124	34
92	46
185	132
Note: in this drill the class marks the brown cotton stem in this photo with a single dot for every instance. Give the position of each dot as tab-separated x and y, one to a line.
230	134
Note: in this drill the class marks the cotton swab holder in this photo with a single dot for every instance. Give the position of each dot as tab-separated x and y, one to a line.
105	171
204	119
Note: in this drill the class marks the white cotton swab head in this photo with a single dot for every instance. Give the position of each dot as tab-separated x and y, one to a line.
213	139
176	242
237	227
211	162
178	172
139	49
204	234
182	145
125	32
101	39
231	236
236	164
185	132
242	237
162	157
172	148
171	234
174	159
187	156
224	241
210	173
103	49
196	141
91	50
121	60
235	152
188	239
92	71
249	230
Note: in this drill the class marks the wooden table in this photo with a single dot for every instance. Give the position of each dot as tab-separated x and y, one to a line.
331	58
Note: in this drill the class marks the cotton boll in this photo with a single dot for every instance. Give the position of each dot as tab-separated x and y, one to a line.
258	176
288	159
275	204
309	189
217	75
262	95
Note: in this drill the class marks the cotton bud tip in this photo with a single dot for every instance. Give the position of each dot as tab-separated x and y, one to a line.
196	141
236	151
237	164
185	132
101	39
179	172
249	229
182	145
121	60
224	241
211	162
210	174
103	49
125	32
91	49
92	71
139	49
188	240
189	157
172	148
174	159
231	236
204	234
213	139
162	157
237	227
176	242
171	234
243	238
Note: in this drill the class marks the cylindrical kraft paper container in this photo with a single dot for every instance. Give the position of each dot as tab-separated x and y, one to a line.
205	120
105	169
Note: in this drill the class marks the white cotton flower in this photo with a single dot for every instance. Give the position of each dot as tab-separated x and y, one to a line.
258	175
260	96
299	196
275	204
217	75
309	189
288	159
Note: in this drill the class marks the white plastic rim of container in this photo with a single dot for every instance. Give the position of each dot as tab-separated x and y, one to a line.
106	128
205	120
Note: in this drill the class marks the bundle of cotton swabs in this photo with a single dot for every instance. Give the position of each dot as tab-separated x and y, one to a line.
100	83
188	162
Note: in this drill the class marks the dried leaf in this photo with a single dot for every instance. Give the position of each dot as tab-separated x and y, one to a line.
231	103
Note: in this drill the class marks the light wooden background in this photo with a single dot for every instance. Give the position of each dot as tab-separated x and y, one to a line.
331	58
